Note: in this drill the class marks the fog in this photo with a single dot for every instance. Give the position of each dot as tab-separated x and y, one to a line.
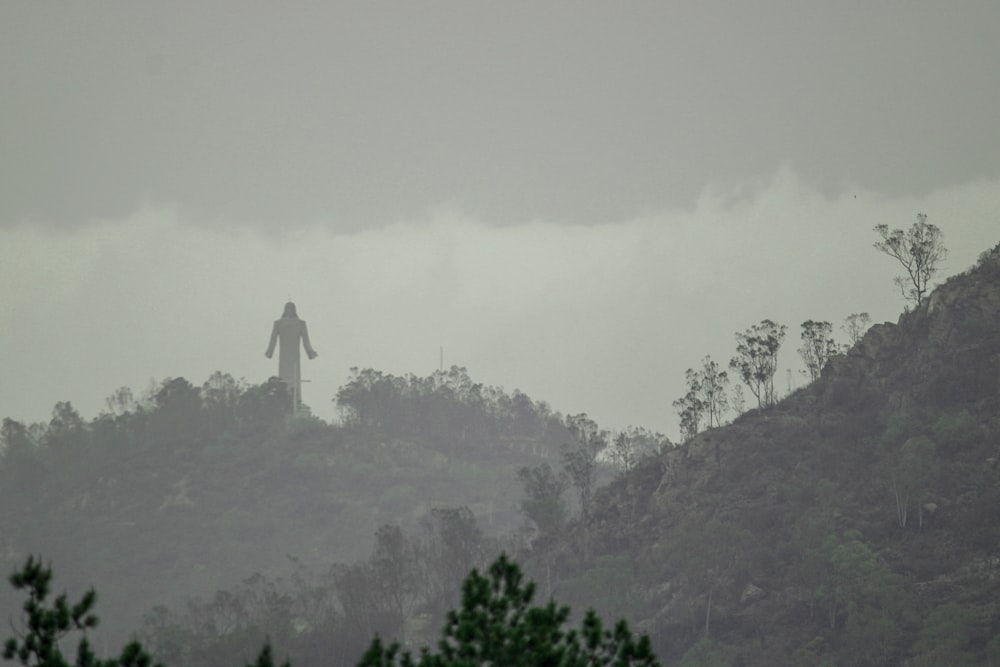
602	319
574	202
580	203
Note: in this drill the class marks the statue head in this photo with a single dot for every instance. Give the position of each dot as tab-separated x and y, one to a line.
290	311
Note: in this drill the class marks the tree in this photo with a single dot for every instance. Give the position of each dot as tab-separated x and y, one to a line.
580	457
949	632
265	659
817	346
177	412
630	445
919	250
394	567
379	595
690	407
14	437
855	325
910	475
357	592
220	397
264	406
65	428
757	359
713	391
453	545
370	398
580	464
37	643
543	504
121	402
498	625
22	462
707	556
737	400
705	398
855	577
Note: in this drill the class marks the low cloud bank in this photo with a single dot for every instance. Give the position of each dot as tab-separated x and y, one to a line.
600	319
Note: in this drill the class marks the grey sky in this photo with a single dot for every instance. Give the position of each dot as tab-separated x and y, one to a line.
358	114
579	201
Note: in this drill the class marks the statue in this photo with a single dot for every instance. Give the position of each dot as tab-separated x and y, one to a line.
289	330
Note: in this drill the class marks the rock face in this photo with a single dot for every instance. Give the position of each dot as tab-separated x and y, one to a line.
957	358
946	350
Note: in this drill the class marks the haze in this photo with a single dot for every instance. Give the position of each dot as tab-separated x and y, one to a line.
580	202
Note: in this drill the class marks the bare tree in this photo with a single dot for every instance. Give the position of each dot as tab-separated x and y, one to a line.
919	250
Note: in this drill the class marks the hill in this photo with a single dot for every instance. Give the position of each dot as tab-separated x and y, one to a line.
191	490
855	522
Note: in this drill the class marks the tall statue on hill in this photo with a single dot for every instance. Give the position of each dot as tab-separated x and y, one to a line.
287	332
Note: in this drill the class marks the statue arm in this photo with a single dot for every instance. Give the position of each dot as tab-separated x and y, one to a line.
274	340
305	342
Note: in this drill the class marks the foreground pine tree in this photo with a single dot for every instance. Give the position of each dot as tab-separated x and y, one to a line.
45	625
37	642
497	625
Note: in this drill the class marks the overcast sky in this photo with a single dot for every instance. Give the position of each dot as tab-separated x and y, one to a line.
579	201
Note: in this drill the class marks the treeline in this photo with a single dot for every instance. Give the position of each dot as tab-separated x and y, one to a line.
711	394
441	405
445	406
172	411
446	410
170	417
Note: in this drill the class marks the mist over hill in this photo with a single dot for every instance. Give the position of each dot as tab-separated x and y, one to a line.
188	489
853	522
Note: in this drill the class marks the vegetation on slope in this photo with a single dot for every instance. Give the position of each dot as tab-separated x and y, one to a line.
190	490
853	522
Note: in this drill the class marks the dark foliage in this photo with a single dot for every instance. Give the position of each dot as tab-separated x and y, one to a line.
498	625
46	624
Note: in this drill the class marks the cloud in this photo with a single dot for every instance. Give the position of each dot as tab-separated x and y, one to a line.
600	319
359	114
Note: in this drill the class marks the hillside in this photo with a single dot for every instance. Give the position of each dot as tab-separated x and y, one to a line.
856	522
190	490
